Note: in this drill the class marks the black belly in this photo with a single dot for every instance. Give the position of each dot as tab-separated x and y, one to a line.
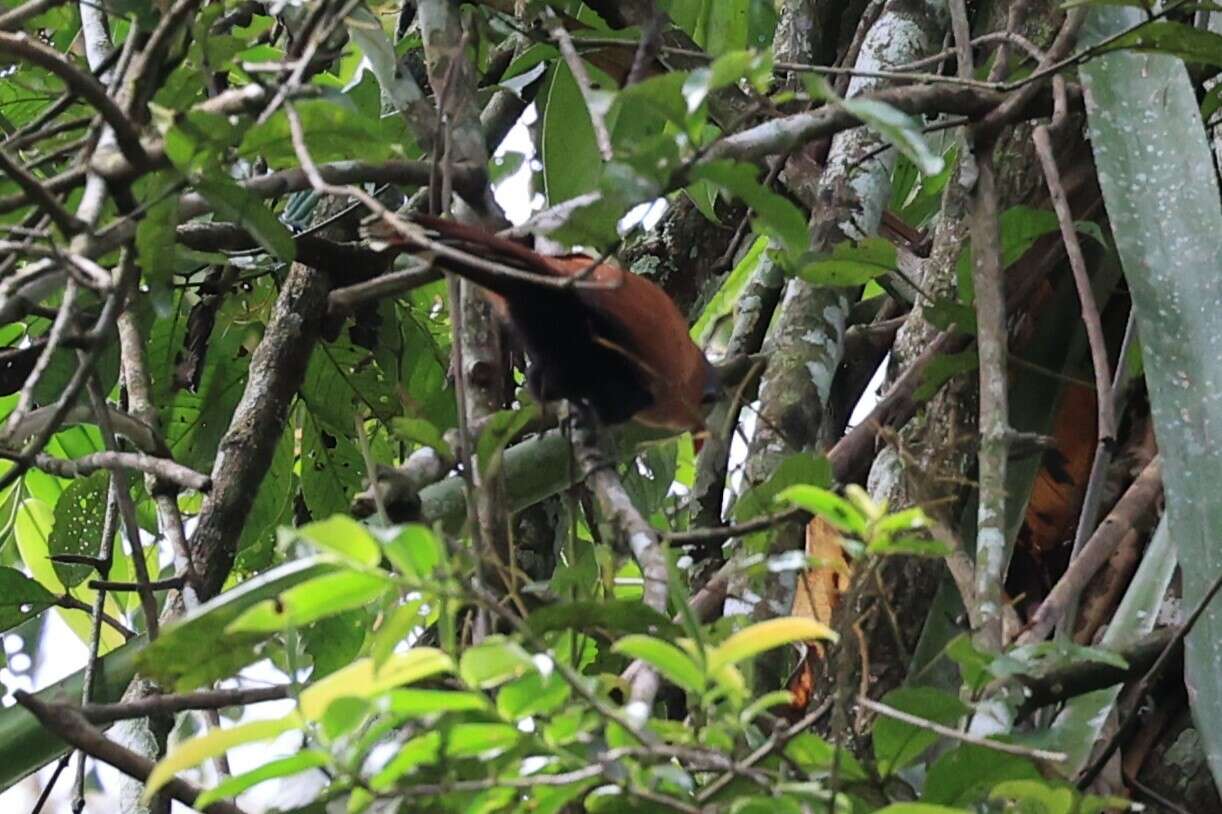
566	362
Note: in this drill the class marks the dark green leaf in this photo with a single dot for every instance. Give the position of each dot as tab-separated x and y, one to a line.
79	516
777	215
233	203
20	598
848	263
610	616
897	744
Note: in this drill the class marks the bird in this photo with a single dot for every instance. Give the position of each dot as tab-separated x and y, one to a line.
595	334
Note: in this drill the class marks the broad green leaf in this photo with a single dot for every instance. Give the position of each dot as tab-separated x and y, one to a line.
1164	215
493	663
79	516
665	657
614	616
395	627
502	427
1037	795
310	601
420	703
814	754
532	694
476	739
571	161
944	367
196	649
775	214
415	552
335	640
20	598
1020	227
762	636
848	263
896	743
344	536
800	468
231	787
1172	38
361	680
233	203
826	504
920	808
966	774
195	751
32	530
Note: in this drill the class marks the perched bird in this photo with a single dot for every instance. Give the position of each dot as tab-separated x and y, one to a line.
595	334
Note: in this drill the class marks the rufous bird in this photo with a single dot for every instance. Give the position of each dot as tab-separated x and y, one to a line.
595	334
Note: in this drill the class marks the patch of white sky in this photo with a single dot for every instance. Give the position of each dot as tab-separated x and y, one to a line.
62	653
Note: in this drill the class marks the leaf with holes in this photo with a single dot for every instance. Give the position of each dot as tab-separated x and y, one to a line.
79	515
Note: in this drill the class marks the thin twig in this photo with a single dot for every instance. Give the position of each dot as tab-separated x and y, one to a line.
162	468
963	737
101	714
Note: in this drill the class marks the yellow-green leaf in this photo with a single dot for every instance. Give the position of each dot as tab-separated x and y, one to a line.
362	680
217	741
753	640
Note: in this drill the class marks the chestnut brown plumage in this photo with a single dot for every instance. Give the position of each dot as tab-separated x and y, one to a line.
613	341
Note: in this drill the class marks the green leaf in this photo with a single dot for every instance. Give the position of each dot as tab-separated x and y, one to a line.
1187	42
331	127
310	601
419	703
532	694
415	552
896	743
493	663
726	70
394	629
333	642
343	536
777	215
849	263
362	680
502	427
726	26
944	367
80	513
233	203
196	649
331	469
666	658
1172	266
899	129
965	775
1020	227
20	598
423	432
763	636
191	753
231	787
814	754
799	468
826	504
476	739
920	808
572	164
614	616
156	242
1037	795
